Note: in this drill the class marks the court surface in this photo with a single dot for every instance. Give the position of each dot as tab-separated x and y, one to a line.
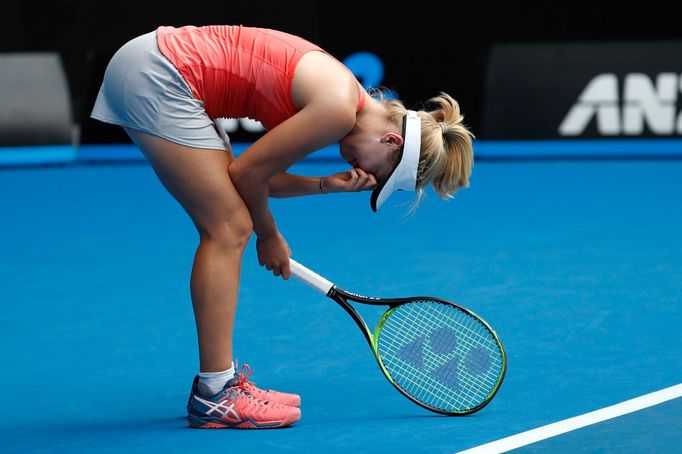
577	266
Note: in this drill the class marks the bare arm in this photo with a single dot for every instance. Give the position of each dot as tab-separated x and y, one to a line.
280	148
327	97
289	185
276	151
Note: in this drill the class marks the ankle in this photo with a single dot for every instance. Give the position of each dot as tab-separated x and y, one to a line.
211	383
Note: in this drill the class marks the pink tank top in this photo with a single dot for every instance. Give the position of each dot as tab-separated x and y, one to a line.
237	71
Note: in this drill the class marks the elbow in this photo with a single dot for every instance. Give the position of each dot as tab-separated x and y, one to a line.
245	176
237	172
233	169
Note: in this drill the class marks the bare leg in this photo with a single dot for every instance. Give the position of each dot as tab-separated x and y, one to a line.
199	180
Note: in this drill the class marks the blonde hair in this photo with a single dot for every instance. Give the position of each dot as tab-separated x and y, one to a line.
447	155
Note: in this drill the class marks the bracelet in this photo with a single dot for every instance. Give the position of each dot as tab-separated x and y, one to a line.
321	185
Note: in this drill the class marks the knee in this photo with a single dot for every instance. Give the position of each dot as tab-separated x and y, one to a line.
230	234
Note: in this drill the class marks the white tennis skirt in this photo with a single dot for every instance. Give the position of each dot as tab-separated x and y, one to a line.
143	90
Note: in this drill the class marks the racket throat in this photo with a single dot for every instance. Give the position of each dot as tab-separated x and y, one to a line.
354	315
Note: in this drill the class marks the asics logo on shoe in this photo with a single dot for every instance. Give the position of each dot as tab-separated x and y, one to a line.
220	408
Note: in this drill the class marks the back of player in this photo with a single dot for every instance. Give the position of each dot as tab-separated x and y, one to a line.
237	71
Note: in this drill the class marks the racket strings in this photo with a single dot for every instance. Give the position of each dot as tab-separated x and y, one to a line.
441	387
440	355
452	340
439	383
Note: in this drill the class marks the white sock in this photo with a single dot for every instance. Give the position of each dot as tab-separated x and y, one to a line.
211	383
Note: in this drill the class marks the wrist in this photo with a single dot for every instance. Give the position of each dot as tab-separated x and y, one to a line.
323	189
265	230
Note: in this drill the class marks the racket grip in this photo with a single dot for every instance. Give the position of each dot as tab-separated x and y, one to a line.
310	278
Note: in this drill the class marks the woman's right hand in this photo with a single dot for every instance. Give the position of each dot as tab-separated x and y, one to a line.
352	180
273	253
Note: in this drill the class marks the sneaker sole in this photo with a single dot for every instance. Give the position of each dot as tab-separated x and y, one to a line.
195	423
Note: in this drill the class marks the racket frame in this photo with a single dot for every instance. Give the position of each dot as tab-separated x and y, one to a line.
340	296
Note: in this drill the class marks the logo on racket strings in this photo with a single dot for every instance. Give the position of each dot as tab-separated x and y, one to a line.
432	354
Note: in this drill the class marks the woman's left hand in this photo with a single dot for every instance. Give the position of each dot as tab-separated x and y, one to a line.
352	180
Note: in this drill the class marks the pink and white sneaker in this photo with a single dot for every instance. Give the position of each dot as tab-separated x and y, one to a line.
292	400
234	407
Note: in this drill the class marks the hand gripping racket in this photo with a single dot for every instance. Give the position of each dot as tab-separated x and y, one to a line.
437	354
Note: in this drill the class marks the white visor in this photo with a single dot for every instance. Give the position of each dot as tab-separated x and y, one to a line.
403	177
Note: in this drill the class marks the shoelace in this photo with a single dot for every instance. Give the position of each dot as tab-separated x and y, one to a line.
243	376
247	385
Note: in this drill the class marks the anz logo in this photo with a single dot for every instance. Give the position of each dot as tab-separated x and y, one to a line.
641	103
367	67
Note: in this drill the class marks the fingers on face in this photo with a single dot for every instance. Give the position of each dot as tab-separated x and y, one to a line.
372	182
359	180
365	180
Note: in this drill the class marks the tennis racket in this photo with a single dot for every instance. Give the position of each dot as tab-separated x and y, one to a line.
437	354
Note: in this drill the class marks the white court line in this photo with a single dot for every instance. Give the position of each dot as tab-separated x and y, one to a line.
567	425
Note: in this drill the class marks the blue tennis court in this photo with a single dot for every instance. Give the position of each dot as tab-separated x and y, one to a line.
576	264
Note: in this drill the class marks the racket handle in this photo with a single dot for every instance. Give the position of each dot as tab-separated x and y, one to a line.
310	278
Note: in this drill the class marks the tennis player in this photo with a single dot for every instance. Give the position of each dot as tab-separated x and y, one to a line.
166	88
